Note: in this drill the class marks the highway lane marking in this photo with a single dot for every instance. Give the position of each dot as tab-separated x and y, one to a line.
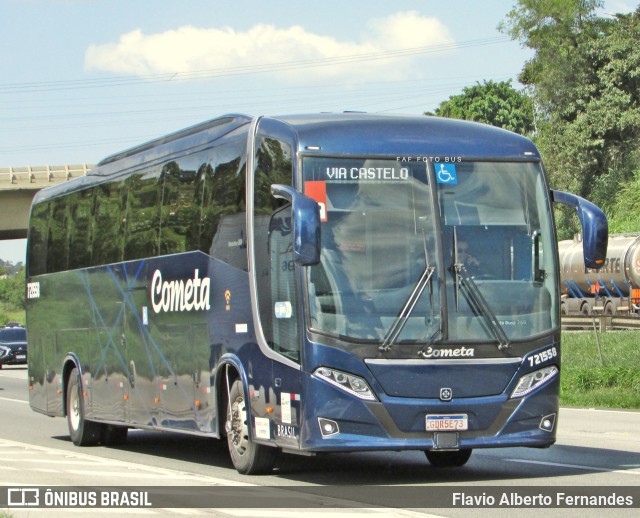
175	477
14	400
610	411
135	475
118	464
346	513
40	460
576	466
105	510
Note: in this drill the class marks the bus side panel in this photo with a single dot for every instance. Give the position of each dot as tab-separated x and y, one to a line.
60	322
148	357
37	371
189	311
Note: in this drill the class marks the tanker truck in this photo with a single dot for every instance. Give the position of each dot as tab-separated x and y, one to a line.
612	290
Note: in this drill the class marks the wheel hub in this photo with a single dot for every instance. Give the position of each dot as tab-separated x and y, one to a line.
237	426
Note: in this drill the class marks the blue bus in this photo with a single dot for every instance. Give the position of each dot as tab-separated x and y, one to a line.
304	284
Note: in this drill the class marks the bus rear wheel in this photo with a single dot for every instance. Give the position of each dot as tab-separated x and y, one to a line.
248	457
448	459
81	431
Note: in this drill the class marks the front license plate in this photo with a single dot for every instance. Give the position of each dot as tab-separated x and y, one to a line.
453	422
21	357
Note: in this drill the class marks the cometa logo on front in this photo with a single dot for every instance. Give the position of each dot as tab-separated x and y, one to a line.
178	295
460	352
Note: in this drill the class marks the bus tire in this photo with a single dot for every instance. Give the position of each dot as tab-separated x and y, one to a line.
448	459
248	457
81	431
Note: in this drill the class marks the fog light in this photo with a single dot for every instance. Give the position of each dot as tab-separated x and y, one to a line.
328	427
548	422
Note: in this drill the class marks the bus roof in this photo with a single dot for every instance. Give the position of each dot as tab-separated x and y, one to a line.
408	136
349	133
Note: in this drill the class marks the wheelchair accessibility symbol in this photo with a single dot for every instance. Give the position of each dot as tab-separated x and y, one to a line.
446	173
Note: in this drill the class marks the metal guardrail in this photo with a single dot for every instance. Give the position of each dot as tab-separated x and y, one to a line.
600	322
14	177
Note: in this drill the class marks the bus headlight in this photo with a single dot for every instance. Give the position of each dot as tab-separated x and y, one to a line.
348	382
530	382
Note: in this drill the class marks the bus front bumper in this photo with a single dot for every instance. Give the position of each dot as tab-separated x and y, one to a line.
345	423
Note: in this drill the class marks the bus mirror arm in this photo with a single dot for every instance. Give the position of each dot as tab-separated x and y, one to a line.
595	230
305	215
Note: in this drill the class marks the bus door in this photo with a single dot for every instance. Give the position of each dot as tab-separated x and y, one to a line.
285	335
277	412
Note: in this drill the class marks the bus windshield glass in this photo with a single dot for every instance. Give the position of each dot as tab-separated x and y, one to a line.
413	252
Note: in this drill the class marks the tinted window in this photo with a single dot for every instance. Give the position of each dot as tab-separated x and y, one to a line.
223	230
13	335
38	231
109	220
80	229
181	204
143	215
58	242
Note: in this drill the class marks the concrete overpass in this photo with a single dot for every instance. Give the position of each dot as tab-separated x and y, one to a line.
18	185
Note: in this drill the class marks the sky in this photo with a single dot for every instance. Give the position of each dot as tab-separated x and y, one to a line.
83	79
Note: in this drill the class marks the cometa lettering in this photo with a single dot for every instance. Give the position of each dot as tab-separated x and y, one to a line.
461	352
178	295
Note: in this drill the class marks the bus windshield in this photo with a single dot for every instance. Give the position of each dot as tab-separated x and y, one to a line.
414	252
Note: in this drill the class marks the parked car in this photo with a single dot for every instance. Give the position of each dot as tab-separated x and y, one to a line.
13	346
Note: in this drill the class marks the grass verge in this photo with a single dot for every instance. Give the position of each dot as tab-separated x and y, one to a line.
609	378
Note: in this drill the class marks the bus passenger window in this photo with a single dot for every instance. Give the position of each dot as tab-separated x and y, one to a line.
37	243
180	207
221	185
109	219
58	243
142	219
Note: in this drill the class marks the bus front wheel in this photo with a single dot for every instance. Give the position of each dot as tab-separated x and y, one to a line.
448	459
82	432
248	457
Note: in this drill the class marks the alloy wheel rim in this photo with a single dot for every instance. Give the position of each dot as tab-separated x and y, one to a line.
239	433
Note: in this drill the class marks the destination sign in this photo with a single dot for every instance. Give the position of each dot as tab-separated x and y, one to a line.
391	173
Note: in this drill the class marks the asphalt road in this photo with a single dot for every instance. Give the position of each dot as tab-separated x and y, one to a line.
596	449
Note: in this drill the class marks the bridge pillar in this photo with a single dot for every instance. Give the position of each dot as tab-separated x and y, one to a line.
15	213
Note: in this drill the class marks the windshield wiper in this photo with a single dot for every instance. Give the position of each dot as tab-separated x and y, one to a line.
476	300
407	308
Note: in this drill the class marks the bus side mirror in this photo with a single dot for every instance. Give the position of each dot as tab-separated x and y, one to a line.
305	216
595	230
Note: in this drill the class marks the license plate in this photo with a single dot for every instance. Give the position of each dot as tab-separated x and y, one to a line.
21	357
453	422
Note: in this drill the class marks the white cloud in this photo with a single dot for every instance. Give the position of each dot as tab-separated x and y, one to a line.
190	49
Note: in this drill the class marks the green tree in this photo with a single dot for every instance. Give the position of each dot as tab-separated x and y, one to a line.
623	216
585	82
498	104
12	291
